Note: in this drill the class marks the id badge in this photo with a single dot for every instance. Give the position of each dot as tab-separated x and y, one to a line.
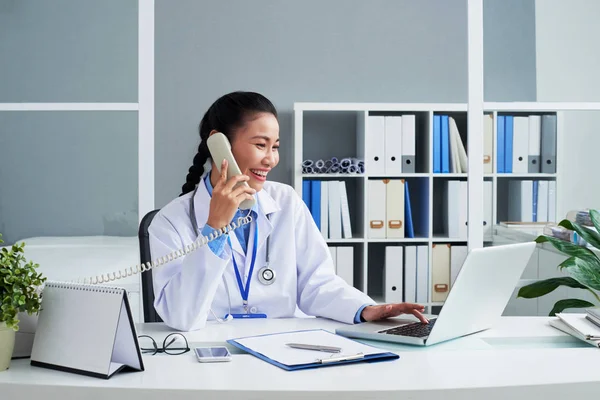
240	316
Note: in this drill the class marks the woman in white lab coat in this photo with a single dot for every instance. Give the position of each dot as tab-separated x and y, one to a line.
268	268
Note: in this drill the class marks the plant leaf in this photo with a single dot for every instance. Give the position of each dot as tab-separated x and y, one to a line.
561	305
595	217
586	273
569	248
588	235
541	288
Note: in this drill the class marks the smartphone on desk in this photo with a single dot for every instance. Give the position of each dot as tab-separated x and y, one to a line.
212	354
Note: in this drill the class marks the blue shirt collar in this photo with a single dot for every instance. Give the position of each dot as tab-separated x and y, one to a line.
209	188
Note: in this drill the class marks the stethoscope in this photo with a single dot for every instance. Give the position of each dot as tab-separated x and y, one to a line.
266	275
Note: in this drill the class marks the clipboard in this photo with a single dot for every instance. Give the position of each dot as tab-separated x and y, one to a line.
272	348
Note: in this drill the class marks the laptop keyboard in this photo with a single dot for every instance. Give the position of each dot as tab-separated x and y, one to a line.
417	329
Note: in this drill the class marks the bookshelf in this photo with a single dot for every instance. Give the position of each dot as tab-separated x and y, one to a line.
325	130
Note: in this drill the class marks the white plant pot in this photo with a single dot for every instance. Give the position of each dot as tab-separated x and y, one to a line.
7	343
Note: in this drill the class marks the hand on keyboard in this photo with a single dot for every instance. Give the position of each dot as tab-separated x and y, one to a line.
374	313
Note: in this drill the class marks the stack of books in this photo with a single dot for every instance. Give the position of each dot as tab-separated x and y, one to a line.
584	327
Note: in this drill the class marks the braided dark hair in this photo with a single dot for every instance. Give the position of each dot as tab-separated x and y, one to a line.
226	115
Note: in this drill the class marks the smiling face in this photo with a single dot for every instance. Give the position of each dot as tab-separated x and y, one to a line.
255	147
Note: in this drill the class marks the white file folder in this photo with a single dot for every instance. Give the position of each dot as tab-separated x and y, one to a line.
453	208
86	329
335	210
422	274
375	149
410	274
487	211
488	143
542	201
552	201
333	252
345	263
408	143
463	211
393	145
345	211
458	255
393	286
535	144
376	205
440	272
394	226
325	209
520	145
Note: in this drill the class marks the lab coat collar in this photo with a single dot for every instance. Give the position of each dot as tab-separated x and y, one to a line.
266	206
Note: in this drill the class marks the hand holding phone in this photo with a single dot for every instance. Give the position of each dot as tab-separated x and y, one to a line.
232	190
220	149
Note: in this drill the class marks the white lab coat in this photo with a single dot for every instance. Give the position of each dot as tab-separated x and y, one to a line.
188	287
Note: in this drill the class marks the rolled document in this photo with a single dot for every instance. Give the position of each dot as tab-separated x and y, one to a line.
346	162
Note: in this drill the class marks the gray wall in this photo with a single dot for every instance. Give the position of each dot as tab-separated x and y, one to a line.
379	51
339	51
509	52
68	51
68	173
568	62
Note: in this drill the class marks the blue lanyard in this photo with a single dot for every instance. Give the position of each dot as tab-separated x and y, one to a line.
245	291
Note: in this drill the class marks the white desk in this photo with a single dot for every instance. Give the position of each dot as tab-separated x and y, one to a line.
522	358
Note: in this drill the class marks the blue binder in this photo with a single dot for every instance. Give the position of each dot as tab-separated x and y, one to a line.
437	144
508	144
409	228
501	133
327	357
445	150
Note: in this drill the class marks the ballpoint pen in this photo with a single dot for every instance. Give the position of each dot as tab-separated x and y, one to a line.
315	347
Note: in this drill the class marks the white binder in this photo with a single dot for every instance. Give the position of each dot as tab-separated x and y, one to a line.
535	132
333	251
394	208
86	329
345	211
422	274
520	145
488	143
488	232
440	272
335	209
393	145
410	274
375	145
408	143
542	201
393	274
376	206
345	263
458	255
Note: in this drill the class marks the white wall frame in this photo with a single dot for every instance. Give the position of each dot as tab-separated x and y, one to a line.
475	123
146	107
68	106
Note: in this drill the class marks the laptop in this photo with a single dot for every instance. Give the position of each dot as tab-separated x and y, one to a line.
481	291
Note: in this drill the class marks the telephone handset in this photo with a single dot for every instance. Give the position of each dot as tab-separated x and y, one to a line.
220	149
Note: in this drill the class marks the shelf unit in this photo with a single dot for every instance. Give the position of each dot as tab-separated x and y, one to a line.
312	142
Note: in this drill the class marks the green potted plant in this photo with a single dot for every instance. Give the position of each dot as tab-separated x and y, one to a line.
20	291
582	264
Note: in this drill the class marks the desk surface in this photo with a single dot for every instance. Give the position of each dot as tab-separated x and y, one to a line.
523	357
